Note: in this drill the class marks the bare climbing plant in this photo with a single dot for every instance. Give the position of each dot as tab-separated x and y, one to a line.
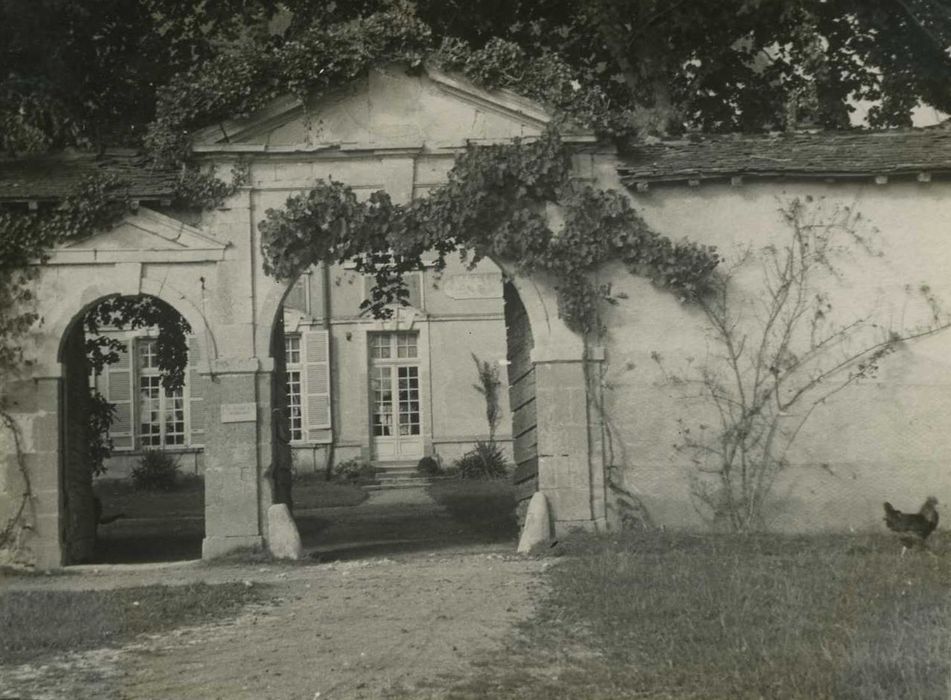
23	518
778	355
490	386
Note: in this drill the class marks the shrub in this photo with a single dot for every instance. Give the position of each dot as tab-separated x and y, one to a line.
353	471
156	471
428	466
486	461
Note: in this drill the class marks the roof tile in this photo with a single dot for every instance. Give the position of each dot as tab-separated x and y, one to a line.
822	154
55	177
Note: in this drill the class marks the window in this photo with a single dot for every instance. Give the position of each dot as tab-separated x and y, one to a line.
385	346
298	297
161	414
413	282
292	359
307	386
146	416
394	384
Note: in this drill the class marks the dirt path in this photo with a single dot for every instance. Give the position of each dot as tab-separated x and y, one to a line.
367	628
370	629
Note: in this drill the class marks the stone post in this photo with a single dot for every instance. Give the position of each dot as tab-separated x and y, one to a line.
34	405
232	458
565	470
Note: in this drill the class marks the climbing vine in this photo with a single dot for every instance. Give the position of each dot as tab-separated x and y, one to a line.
249	74
498	201
501	202
26	239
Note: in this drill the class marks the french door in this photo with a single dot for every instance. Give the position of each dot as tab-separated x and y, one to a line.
395	406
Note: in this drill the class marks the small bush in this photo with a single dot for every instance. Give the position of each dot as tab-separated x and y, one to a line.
428	466
354	471
156	471
486	461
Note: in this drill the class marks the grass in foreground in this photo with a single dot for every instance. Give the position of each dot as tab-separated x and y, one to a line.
121	496
314	491
676	616
485	508
188	500
35	623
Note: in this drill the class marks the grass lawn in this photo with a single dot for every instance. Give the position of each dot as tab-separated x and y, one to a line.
37	623
485	508
120	496
663	615
313	491
188	500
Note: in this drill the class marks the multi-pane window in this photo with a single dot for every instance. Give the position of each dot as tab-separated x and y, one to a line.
394	384
405	345
292	360
381	383
385	346
408	384
161	414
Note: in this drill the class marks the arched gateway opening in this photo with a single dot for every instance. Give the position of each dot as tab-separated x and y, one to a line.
131	434
383	406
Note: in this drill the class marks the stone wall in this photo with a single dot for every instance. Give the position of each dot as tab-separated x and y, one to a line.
883	439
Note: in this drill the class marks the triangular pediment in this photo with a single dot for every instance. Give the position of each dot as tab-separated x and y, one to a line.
390	107
144	236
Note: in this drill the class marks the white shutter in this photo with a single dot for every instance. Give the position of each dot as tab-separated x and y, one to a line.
196	397
315	384
413	281
119	392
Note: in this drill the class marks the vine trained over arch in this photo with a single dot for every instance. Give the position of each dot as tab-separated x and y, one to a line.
495	204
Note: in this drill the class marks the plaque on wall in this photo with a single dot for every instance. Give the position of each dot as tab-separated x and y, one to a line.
239	412
480	285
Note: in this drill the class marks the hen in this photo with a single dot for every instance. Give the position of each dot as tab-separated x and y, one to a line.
913	528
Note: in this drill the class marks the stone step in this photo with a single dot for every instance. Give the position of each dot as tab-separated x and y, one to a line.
386	479
382	483
396	485
397	470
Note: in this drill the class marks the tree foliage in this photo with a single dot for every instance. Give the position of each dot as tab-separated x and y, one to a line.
503	202
134	313
94	73
86	73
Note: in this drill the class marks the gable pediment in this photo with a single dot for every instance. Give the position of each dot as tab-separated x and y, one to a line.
386	109
145	236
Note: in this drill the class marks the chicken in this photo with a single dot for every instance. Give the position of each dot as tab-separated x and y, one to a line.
913	528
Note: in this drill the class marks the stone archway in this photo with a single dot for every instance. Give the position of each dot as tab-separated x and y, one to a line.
555	401
557	434
139	403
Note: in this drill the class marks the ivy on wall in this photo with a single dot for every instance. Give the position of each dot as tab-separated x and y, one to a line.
497	203
26	239
248	75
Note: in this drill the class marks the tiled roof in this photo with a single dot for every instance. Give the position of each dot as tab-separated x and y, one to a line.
54	177
823	154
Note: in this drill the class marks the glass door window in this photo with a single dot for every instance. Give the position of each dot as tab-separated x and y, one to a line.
395	404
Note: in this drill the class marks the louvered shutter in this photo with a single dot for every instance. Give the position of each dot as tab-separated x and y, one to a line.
119	392
413	281
315	387
196	396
